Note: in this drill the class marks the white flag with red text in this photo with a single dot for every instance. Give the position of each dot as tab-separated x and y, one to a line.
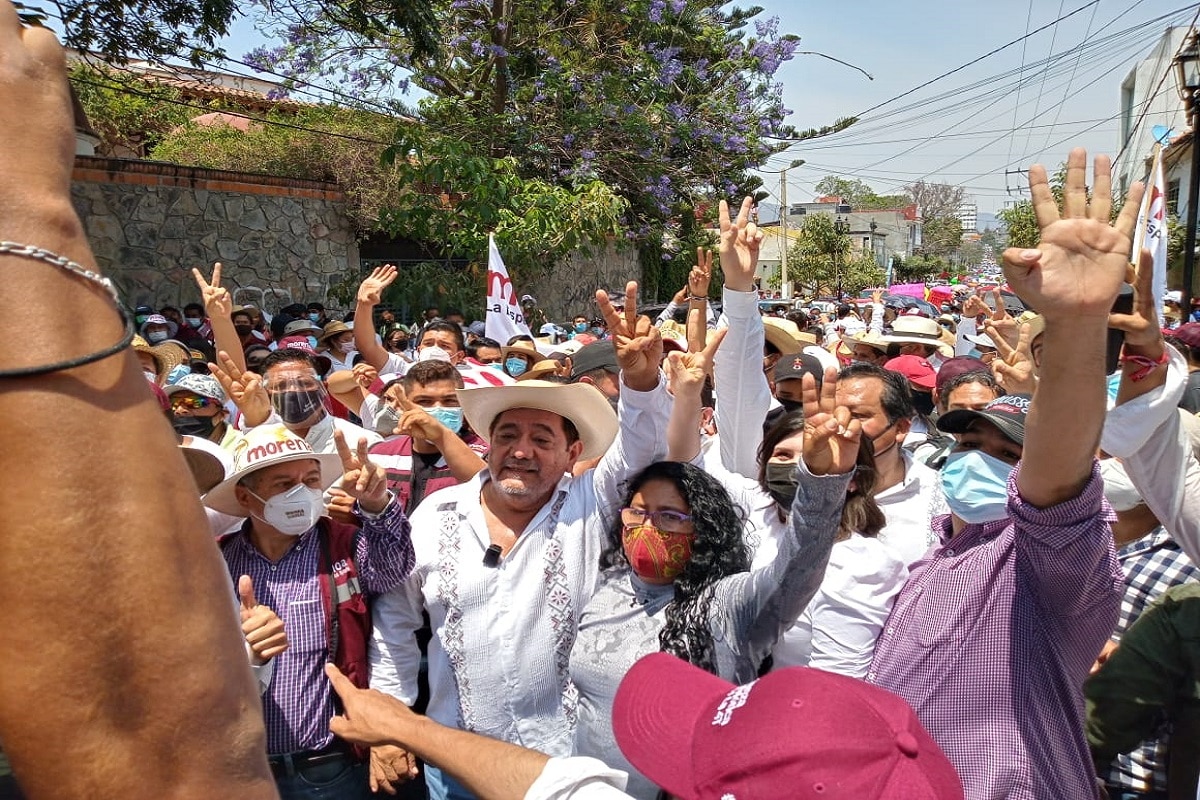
1151	230
504	317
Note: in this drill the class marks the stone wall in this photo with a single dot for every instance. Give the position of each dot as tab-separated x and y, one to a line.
149	224
570	288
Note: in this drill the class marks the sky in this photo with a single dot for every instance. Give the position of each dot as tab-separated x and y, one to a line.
1031	102
1037	98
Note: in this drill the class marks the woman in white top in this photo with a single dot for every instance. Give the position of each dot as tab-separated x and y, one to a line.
676	578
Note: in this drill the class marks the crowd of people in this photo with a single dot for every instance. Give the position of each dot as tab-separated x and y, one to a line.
863	554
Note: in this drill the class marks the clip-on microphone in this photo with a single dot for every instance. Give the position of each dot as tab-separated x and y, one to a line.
491	558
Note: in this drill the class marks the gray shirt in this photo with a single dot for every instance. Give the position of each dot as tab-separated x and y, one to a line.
749	611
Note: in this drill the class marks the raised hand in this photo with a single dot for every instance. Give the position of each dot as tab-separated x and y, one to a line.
701	274
831	435
637	340
244	388
370	291
1081	262
1013	367
218	303
364	375
417	422
740	241
877	297
1141	324
262	627
688	370
974	306
362	479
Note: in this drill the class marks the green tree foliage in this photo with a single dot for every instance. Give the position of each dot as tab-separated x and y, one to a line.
858	194
821	255
918	268
668	103
1020	223
130	116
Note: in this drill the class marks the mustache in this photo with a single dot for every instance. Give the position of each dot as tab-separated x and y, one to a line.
513	463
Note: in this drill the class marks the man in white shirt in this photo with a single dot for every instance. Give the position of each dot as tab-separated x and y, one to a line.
507	560
909	493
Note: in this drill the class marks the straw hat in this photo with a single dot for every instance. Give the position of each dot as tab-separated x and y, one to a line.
521	349
785	335
261	447
919	330
170	354
206	461
538	370
584	405
333	329
868	337
142	346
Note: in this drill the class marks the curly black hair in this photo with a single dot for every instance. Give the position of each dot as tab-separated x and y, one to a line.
718	550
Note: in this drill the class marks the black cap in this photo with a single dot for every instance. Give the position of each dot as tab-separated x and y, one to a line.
1007	413
797	365
594	356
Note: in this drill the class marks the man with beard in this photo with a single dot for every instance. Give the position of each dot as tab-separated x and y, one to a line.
513	554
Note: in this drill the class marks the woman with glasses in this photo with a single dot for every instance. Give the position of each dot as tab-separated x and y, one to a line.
676	578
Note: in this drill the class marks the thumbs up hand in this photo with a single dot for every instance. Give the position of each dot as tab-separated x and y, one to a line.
261	627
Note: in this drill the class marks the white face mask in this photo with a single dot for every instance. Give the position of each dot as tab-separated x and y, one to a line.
295	511
1119	491
346	347
433	353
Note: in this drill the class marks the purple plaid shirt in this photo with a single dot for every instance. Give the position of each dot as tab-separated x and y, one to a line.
298	704
992	637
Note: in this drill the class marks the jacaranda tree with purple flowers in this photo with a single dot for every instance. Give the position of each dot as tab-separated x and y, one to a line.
646	107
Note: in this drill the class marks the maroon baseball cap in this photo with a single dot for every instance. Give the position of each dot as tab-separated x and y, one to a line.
798	733
960	365
919	371
1188	333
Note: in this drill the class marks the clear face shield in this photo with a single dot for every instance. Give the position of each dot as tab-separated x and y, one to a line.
298	399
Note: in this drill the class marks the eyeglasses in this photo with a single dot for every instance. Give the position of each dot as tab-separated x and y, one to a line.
669	521
193	402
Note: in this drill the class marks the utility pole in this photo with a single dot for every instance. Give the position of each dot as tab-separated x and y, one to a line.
785	288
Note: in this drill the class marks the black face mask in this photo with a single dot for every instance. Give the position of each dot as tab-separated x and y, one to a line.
791	406
781	483
923	402
243	330
295	407
199	427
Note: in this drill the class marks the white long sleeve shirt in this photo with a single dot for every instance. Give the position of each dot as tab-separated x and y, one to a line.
741	390
499	657
1147	435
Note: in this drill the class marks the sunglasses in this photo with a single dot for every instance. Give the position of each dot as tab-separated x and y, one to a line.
669	521
193	402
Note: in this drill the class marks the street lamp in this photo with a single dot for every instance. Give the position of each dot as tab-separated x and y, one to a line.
841	227
1187	74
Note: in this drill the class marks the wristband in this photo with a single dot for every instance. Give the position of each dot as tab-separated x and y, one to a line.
1146	365
693	298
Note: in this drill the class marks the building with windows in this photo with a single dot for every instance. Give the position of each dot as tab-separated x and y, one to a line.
968	215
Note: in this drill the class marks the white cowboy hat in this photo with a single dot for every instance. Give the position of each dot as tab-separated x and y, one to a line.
261	447
786	336
582	404
919	330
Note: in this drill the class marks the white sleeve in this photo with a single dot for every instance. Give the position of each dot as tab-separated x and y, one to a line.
966	327
392	653
1148	437
742	394
578	778
877	315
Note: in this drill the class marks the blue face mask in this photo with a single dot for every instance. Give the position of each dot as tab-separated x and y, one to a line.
312	340
976	486
581	327
313	316
452	418
515	366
